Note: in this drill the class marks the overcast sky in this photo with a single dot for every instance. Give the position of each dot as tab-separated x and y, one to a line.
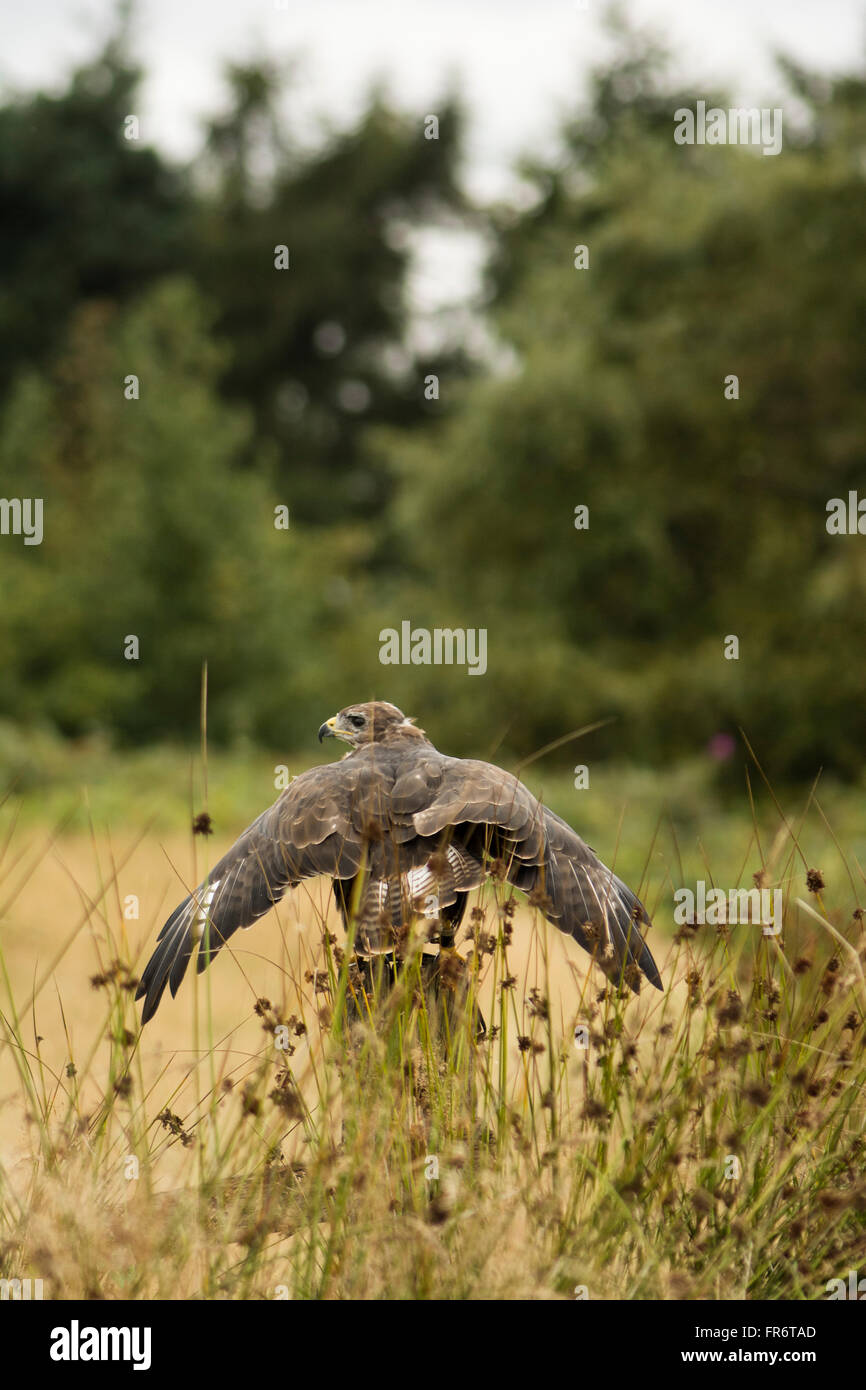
517	62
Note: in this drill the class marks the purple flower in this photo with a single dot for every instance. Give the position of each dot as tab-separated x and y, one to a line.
721	747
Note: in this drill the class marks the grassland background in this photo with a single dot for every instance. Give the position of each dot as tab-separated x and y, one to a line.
207	1217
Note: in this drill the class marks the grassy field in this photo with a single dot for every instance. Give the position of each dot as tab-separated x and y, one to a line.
707	1142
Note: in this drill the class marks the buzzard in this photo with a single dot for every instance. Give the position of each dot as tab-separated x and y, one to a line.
404	831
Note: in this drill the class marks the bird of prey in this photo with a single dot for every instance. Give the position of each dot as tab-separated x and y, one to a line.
405	832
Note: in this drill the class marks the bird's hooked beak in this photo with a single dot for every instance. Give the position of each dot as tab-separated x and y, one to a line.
337	728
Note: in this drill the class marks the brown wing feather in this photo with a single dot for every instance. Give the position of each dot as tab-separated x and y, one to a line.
542	854
388	809
306	832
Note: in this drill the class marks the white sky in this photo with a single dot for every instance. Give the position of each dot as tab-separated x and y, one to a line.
517	64
519	61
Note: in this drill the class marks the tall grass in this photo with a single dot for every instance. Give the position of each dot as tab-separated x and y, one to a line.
368	1143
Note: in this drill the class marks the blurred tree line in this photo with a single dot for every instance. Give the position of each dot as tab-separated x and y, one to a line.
301	388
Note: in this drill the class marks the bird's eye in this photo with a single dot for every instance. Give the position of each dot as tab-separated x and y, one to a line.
356	721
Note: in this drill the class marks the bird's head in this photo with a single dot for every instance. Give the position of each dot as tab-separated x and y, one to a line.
373	722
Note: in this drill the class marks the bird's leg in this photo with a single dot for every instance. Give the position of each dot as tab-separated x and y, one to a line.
444	976
376	978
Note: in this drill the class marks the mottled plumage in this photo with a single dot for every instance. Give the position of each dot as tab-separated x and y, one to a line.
404	831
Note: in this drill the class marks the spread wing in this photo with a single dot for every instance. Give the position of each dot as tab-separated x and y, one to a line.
494	815
308	831
419	824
